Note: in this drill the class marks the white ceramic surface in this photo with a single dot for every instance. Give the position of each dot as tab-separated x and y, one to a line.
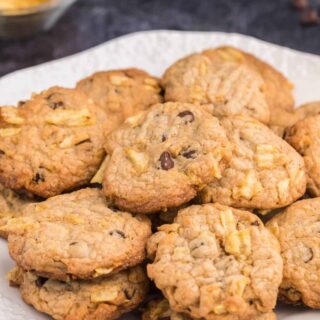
152	51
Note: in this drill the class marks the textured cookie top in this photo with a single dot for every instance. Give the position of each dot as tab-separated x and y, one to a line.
265	172
105	298
297	229
304	136
227	87
76	235
160	309
11	205
278	89
215	262
308	110
163	156
51	143
121	93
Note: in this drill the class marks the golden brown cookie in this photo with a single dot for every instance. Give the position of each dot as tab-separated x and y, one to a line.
226	87
304	136
264	172
100	299
121	93
52	143
216	262
297	229
77	235
162	157
308	110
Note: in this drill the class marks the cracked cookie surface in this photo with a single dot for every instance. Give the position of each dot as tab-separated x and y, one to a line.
100	299
77	235
226	87
162	157
278	89
121	93
304	137
265	172
51	143
297	229
216	262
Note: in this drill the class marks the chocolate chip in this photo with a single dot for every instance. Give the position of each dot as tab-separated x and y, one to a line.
95	185
21	103
191	154
2	153
188	116
166	161
163	138
73	243
129	295
40	281
310	17
56	105
300	4
255	223
38	178
118	233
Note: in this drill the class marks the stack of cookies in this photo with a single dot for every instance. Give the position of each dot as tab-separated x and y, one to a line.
212	158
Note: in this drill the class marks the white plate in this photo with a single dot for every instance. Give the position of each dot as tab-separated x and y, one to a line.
152	51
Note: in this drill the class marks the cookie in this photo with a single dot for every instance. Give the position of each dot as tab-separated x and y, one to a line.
308	110
52	143
265	172
121	93
160	309
278	89
162	157
297	229
98	299
11	205
304	137
216	262
226	87
77	236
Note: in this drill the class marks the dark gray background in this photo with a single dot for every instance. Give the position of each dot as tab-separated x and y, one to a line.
90	22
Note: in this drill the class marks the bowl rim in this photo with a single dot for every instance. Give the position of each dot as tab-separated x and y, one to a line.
42	7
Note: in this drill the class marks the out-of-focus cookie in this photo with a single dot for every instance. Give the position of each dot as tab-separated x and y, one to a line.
160	309
304	137
162	157
78	235
216	262
278	89
308	110
297	229
265	172
99	299
226	87
52	143
121	93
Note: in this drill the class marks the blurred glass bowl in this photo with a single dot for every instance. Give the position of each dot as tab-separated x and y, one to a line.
27	20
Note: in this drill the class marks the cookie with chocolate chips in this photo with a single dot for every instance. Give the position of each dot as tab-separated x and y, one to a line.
77	235
216	262
52	143
121	93
106	298
297	229
265	172
225	86
161	158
